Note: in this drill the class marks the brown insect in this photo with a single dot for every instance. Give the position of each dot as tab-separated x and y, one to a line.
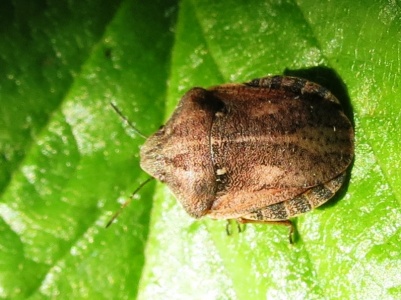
263	151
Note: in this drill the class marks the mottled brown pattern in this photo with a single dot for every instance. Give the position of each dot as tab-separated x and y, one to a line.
265	150
179	153
302	203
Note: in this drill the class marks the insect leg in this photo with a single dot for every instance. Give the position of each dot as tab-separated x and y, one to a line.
229	226
287	223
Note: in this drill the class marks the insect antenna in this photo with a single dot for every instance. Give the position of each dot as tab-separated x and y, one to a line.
127	121
126	203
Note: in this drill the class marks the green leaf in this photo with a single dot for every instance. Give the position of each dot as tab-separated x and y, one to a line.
67	159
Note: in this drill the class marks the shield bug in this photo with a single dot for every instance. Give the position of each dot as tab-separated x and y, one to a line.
263	151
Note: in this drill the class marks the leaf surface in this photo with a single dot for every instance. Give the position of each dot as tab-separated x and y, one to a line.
67	159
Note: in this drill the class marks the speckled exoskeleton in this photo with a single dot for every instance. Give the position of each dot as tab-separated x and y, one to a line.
263	151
